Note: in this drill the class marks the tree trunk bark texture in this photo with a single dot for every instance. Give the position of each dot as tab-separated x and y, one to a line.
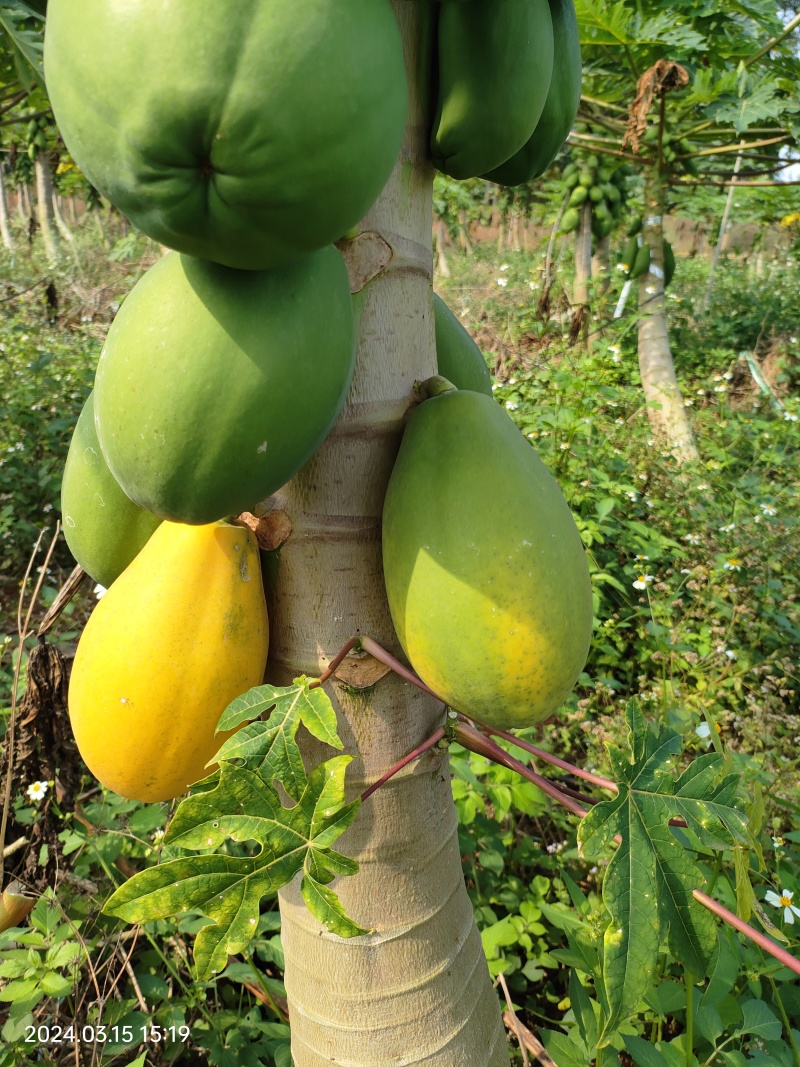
601	264
5	225
583	257
44	207
665	406
416	990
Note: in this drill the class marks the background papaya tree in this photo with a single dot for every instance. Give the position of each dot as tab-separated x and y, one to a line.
675	88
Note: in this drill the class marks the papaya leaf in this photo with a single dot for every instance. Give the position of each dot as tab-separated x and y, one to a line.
270	747
229	889
25	45
649	882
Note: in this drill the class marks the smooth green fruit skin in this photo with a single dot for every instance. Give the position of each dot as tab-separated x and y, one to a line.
104	530
248	132
458	358
215	386
641	264
485	572
669	263
570	220
560	108
495	66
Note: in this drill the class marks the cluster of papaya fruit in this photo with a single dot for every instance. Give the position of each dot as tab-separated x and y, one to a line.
677	152
36	136
602	186
248	153
507	77
228	363
637	255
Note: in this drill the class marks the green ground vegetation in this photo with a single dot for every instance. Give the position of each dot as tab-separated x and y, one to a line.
695	576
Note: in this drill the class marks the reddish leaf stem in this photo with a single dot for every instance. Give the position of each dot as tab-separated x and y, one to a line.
383	656
334	663
744	928
548	757
436	736
477	742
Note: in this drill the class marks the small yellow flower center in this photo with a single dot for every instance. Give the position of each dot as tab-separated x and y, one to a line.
786	900
734	562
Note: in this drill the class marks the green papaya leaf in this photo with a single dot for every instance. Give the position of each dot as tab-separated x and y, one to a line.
271	747
229	889
648	888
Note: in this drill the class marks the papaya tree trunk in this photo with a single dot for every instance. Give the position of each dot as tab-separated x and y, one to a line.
441	256
60	222
416	989
665	407
44	207
581	292
601	264
5	225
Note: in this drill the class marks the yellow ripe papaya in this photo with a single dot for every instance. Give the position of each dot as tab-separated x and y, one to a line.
484	568
179	635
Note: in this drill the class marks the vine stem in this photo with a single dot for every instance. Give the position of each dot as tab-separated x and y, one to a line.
435	737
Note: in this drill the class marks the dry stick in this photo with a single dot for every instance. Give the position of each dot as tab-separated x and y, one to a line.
501	978
10	738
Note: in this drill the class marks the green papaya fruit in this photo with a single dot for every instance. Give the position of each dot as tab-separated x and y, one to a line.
561	105
40	140
104	530
669	263
601	211
595	194
592	162
570	169
586	178
458	358
578	196
604	175
215	386
570	181
495	63
31	130
629	255
611	193
485	572
650	135
570	220
241	132
641	264
685	146
635	227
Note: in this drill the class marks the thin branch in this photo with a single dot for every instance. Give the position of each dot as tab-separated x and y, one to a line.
787	29
729	148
